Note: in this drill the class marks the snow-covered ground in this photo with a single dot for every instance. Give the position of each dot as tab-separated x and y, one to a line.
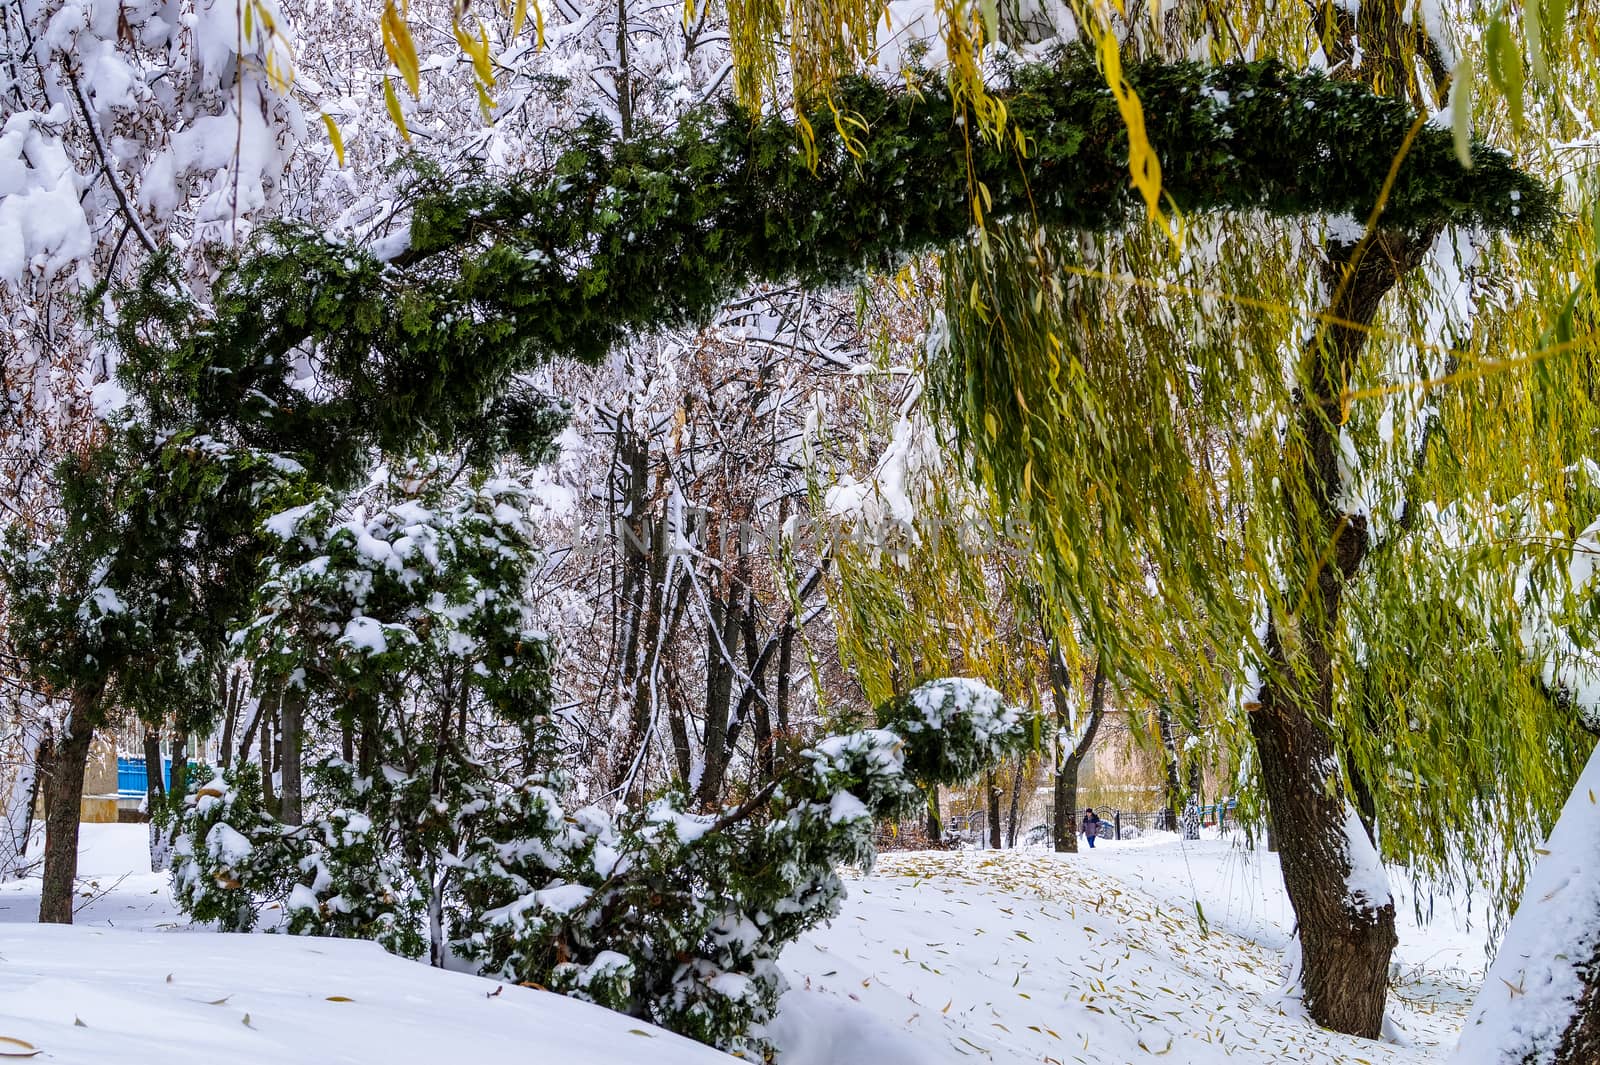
1007	957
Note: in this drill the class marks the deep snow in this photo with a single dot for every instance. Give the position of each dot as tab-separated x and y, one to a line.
1005	957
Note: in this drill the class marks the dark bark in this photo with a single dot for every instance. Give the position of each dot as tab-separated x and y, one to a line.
1345	942
63	804
722	647
753	703
935	820
1016	796
155	788
1172	794
1065	831
230	718
624	77
1580	1043
677	721
643	567
785	666
248	740
268	726
179	785
291	710
993	789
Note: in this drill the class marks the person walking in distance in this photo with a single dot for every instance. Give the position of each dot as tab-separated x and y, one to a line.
1091	825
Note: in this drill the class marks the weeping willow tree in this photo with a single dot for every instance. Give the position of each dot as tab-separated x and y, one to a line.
924	580
931	575
1303	438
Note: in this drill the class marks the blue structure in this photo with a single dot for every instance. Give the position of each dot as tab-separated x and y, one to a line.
133	780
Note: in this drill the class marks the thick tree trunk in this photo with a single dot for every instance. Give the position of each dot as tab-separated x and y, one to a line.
1346	937
935	821
292	712
1330	869
1066	806
63	803
1066	784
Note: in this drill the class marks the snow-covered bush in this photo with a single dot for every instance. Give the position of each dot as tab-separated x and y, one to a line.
230	857
667	914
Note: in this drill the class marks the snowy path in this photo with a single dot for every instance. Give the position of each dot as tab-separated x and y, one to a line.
1007	957
1095	958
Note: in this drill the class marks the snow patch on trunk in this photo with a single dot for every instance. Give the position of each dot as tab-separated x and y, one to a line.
1367	885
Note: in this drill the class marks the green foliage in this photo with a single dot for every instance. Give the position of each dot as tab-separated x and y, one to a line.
667	915
631	237
1146	411
129	591
228	851
416	594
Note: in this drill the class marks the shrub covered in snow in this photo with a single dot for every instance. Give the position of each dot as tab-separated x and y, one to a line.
670	915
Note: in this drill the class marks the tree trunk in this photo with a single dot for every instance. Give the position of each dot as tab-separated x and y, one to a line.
1065	831
179	787
292	713
63	803
722	651
269	798
993	790
155	797
1172	792
230	719
785	665
1345	937
1066	806
1016	796
1331	870
247	741
935	821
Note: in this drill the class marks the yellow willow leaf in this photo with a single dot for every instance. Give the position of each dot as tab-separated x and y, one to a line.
401	49
392	102
518	17
334	136
481	61
279	75
1533	29
538	25
1461	110
1144	167
477	51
